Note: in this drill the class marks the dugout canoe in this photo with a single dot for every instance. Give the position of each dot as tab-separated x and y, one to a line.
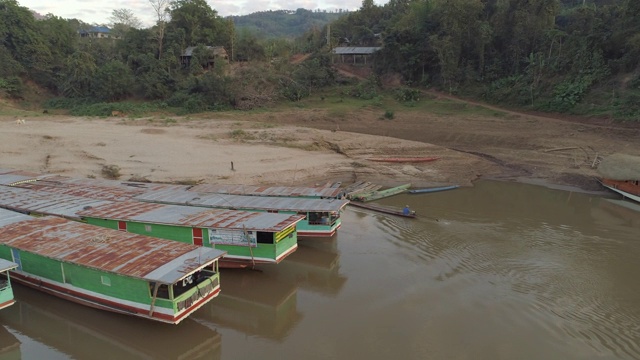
433	189
383	209
403	159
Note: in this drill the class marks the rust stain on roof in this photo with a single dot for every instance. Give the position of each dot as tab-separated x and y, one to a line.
112	190
192	216
90	246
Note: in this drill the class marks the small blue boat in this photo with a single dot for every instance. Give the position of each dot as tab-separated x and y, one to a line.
434	189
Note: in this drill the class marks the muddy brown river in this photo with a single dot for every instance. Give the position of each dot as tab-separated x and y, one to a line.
497	271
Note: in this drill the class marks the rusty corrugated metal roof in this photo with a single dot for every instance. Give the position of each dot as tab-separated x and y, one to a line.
9	217
88	191
223	201
192	216
282	191
107	250
42	202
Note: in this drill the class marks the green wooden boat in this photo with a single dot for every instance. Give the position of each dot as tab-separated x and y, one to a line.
379	194
107	269
6	291
248	238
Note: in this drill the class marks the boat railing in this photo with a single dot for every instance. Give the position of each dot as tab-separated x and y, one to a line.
328	222
4	283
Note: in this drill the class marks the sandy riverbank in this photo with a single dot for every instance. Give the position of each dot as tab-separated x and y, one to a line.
205	150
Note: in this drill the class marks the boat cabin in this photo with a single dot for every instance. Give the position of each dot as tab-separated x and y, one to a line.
6	291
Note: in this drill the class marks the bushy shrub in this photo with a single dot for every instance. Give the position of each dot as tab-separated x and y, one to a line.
293	90
12	86
366	89
405	94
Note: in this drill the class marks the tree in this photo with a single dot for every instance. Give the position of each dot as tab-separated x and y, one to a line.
200	23
161	9
113	81
123	20
79	71
247	47
20	36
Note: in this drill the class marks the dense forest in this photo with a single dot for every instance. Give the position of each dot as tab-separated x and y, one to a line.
571	56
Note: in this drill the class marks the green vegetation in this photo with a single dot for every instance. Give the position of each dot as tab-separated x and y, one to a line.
570	56
111	172
285	23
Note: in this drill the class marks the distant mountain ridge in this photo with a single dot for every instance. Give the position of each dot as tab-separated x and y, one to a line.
285	23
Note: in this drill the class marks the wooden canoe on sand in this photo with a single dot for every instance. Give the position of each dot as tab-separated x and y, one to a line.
403	159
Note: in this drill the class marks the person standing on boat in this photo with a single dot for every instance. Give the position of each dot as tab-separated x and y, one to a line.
406	211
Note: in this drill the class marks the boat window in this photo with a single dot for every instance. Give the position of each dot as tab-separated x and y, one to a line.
147	228
105	280
320	218
265	237
163	290
187	283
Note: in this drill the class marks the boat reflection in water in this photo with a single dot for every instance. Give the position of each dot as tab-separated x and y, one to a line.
86	333
9	345
315	266
255	303
620	212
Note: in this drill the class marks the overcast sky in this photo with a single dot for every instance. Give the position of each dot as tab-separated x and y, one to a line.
94	11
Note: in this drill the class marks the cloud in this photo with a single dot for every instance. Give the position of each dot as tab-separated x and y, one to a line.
94	11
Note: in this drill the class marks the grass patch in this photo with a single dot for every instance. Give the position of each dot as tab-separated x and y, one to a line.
111	172
88	107
241	135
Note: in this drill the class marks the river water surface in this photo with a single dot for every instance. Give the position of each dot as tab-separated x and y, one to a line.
497	271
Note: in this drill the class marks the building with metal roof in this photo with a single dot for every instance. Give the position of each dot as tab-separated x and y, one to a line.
354	54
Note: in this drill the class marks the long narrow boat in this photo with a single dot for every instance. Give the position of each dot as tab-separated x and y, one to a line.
107	269
403	159
6	291
383	209
621	173
322	216
625	194
433	189
249	238
380	194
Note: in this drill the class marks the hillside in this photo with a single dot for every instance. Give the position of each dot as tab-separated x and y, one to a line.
284	23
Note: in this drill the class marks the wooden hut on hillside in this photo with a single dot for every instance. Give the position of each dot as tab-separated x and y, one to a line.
354	54
216	53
